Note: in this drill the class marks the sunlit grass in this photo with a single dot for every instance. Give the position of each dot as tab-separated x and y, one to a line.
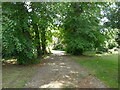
104	67
93	53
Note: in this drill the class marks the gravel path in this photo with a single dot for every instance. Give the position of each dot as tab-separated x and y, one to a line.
63	72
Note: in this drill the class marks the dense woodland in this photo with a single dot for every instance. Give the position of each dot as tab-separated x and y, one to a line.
28	28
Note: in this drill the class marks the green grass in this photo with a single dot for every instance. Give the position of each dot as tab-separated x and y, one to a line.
104	67
16	76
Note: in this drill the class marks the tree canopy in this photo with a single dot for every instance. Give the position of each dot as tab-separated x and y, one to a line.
28	27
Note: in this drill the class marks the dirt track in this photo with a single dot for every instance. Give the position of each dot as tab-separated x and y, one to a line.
62	72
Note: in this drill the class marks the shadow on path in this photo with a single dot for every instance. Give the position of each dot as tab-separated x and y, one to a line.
63	72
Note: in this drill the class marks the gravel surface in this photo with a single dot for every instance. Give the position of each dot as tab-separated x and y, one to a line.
62	72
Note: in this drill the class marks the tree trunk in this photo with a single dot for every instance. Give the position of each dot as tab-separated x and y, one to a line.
37	39
43	39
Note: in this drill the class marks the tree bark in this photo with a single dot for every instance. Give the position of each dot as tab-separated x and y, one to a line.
43	39
37	39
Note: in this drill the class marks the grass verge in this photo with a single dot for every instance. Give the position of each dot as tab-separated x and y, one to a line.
104	67
16	76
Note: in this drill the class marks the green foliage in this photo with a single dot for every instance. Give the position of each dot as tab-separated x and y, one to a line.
81	28
16	37
25	33
28	28
42	15
111	46
118	39
58	47
113	15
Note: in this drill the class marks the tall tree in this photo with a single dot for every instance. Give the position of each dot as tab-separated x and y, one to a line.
81	27
113	15
35	25
44	12
16	35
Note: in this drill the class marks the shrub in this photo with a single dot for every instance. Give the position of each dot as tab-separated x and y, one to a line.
58	47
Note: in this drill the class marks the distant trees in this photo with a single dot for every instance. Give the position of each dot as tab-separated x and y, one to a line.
113	15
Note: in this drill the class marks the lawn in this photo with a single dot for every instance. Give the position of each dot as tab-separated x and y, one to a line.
104	67
16	76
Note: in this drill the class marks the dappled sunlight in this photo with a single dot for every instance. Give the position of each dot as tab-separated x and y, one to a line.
40	39
55	69
61	58
46	57
52	58
67	76
111	52
10	61
106	54
62	63
58	52
62	66
51	64
52	85
74	72
68	67
59	84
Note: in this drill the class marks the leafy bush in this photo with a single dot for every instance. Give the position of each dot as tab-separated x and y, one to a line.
58	47
102	49
111	46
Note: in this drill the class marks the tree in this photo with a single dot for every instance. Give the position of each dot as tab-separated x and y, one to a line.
28	28
81	27
24	31
113	15
17	40
35	25
44	17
